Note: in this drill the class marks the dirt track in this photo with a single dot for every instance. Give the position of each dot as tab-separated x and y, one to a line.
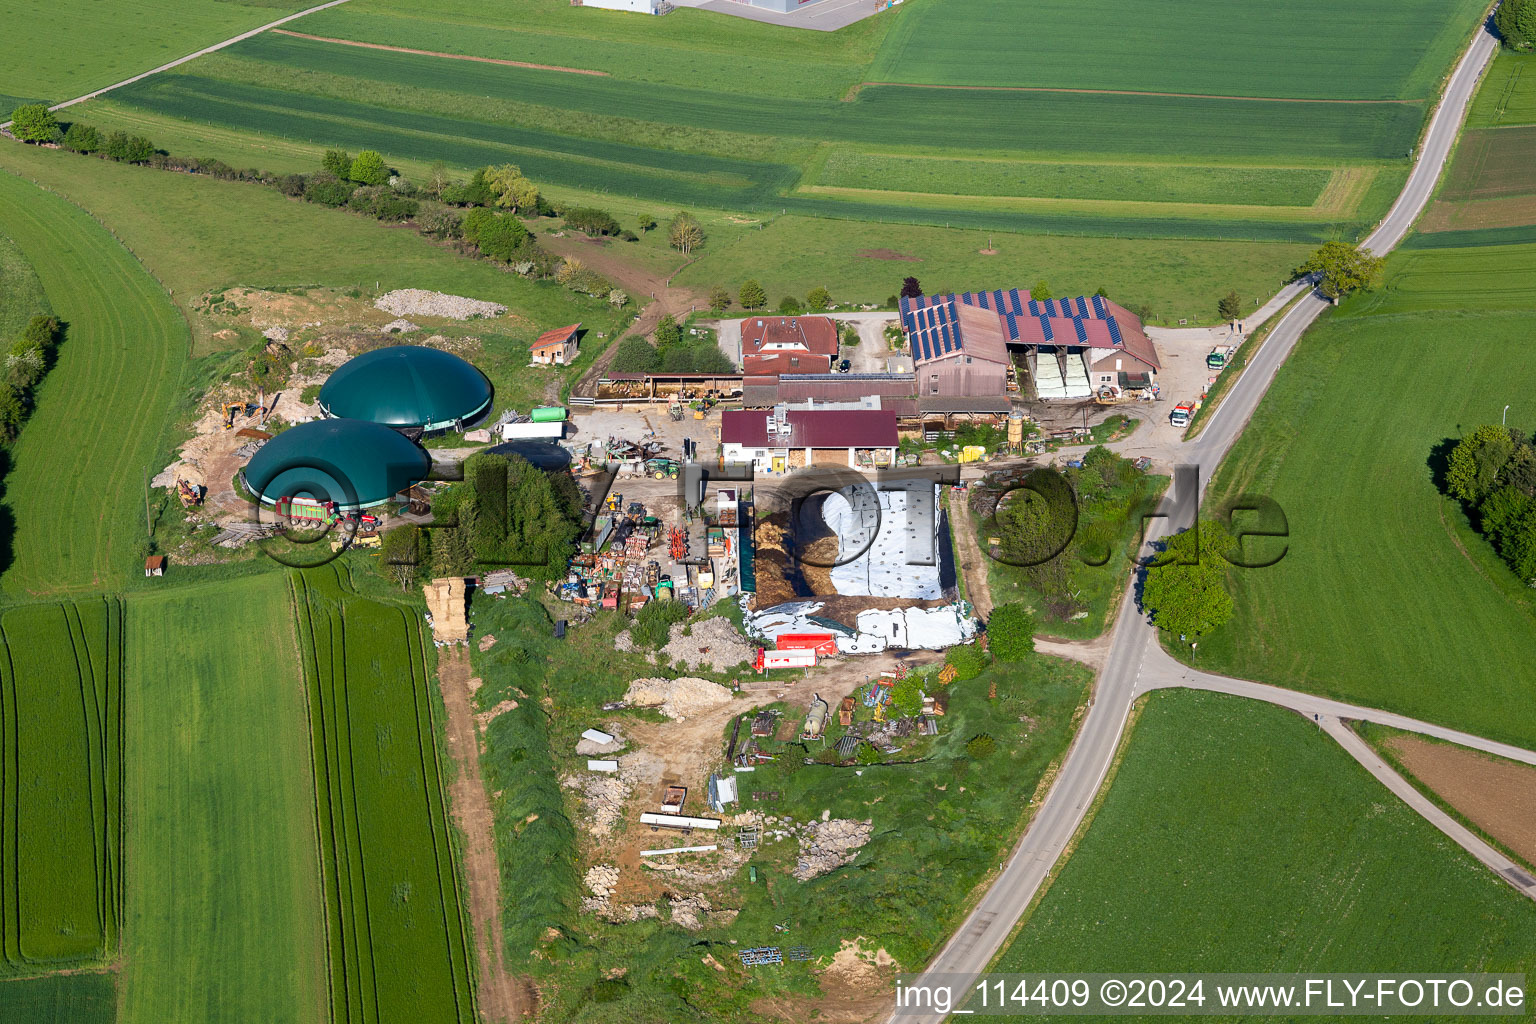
502	997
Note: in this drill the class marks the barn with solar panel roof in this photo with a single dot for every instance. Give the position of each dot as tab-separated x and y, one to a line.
962	345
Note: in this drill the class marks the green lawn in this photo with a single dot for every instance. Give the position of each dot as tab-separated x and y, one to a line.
1192	46
74	46
855	261
60	999
101	411
61	865
1238	837
1386	597
224	913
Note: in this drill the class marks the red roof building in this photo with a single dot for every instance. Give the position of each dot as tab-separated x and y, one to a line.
556	347
787	345
779	440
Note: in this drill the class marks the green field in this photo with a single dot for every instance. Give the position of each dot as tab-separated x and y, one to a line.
1193	46
67	40
1507	95
101	410
60	999
1236	836
61	708
21	293
1379	561
224	914
389	865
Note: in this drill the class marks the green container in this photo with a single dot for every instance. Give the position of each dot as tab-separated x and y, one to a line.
548	414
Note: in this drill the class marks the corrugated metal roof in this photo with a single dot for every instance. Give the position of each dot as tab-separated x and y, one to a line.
812	428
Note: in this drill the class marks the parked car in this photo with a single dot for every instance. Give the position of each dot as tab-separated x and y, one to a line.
844	366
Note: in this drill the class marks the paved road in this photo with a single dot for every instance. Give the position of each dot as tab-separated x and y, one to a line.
191	56
1136	663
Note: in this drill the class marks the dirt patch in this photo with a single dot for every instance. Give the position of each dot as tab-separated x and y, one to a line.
887	254
988	251
855	988
677	698
1511	212
438	53
1497	796
502	997
713	643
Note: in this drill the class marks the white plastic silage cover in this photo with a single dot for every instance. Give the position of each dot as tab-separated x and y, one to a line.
896	531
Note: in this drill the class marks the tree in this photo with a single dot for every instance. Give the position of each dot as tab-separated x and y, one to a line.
496	235
437	180
647	223
510	189
1476	462
128	149
910	288
338	163
1342	268
400	555
818	298
82	138
867	754
1185	587
1516	22
1011	632
618	299
1230	306
969	661
635	355
440	223
719	299
34	122
752	295
667	332
369	169
907	697
789	305
328	190
1040	290
589	220
684	233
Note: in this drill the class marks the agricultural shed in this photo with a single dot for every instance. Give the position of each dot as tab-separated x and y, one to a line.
354	463
555	348
847	437
407	386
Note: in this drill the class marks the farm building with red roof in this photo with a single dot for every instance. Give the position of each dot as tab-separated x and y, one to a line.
556	347
786	345
1072	348
781	439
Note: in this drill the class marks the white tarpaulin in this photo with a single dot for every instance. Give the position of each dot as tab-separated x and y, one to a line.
898	628
889	538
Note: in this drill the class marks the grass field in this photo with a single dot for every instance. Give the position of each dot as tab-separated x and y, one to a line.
1379	561
21	293
1507	95
101	410
1193	46
60	999
377	774
66	40
866	262
224	915
1491	184
1217	795
61	708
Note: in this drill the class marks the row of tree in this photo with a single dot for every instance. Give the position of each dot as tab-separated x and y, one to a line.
674	352
27	361
1492	471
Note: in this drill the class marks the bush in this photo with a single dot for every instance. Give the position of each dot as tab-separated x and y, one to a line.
719	299
369	169
82	138
819	298
328	190
789	305
292	185
979	747
867	753
497	235
635	355
1011	632
667	331
969	661
653	623
337	163
128	149
907	697
752	295
591	221
441	224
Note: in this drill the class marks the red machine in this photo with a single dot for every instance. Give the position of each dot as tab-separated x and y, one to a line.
821	643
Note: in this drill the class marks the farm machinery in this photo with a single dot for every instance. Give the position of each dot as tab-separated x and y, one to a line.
190	494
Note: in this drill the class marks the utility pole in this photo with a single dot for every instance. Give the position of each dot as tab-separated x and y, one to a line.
1504	420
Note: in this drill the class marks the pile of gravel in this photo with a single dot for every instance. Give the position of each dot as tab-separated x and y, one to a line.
712	643
828	845
677	698
416	302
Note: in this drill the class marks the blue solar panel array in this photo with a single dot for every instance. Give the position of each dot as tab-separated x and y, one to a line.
932	324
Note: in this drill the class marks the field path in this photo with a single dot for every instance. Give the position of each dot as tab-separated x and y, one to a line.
440	53
502	997
231	41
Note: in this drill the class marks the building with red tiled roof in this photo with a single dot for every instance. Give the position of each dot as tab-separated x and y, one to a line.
776	440
787	345
556	347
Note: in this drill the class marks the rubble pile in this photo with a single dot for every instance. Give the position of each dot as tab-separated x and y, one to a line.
624	643
824	845
712	643
400	326
687	911
677	698
404	302
600	880
605	796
